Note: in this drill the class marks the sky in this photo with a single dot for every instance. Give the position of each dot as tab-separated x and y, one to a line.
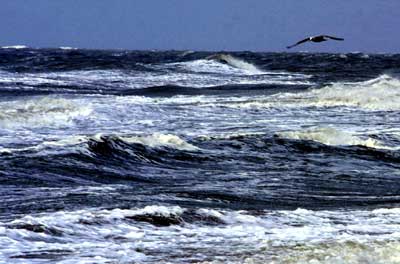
230	25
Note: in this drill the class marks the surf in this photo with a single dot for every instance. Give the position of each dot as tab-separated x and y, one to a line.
235	63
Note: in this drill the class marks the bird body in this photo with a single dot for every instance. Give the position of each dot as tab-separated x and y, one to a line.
319	38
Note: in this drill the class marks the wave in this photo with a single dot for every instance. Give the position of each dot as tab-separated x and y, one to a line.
208	66
157	139
68	48
226	64
379	94
15	47
292	236
66	74
42	111
98	158
225	172
112	143
333	137
50	147
152	145
196	74
235	63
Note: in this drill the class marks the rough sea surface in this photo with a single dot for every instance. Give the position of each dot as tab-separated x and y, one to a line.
198	157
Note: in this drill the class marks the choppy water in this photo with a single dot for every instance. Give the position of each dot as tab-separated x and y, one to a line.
197	157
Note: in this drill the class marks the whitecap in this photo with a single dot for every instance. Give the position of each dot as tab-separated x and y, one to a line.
68	48
41	111
158	139
291	235
333	137
15	47
237	63
382	93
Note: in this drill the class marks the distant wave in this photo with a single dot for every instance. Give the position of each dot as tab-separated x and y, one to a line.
68	48
192	74
15	47
210	66
235	62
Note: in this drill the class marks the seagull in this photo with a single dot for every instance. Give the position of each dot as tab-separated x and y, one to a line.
319	38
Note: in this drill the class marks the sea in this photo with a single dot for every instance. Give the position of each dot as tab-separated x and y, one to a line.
119	156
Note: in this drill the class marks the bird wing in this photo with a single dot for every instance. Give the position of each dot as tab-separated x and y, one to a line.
301	41
335	38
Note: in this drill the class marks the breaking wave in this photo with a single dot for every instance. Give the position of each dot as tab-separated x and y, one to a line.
379	94
68	48
234	62
298	236
157	139
333	137
214	75
382	93
43	111
109	142
15	47
143	156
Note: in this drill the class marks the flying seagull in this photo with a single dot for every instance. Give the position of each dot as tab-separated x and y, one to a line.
319	38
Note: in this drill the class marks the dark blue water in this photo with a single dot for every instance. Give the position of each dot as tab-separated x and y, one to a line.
187	157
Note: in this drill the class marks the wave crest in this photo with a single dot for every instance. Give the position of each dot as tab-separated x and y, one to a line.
332	137
235	63
157	139
15	47
41	112
382	93
379	94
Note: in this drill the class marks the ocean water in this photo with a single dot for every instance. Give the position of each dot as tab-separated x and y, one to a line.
198	157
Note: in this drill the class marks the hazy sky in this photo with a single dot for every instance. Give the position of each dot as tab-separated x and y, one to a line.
256	25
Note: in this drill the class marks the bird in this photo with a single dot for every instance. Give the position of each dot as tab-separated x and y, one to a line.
319	38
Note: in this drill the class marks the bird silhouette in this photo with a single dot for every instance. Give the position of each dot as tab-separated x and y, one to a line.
319	38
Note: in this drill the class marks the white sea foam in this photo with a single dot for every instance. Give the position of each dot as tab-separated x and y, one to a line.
41	111
68	48
89	79
332	136
148	210
215	73
15	47
241	64
157	140
230	65
236	63
218	63
209	66
299	236
382	93
78	143
48	147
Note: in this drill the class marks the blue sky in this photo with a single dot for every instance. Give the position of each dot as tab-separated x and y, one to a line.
256	25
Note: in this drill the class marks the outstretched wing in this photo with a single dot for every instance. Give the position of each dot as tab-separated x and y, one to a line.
298	43
335	38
